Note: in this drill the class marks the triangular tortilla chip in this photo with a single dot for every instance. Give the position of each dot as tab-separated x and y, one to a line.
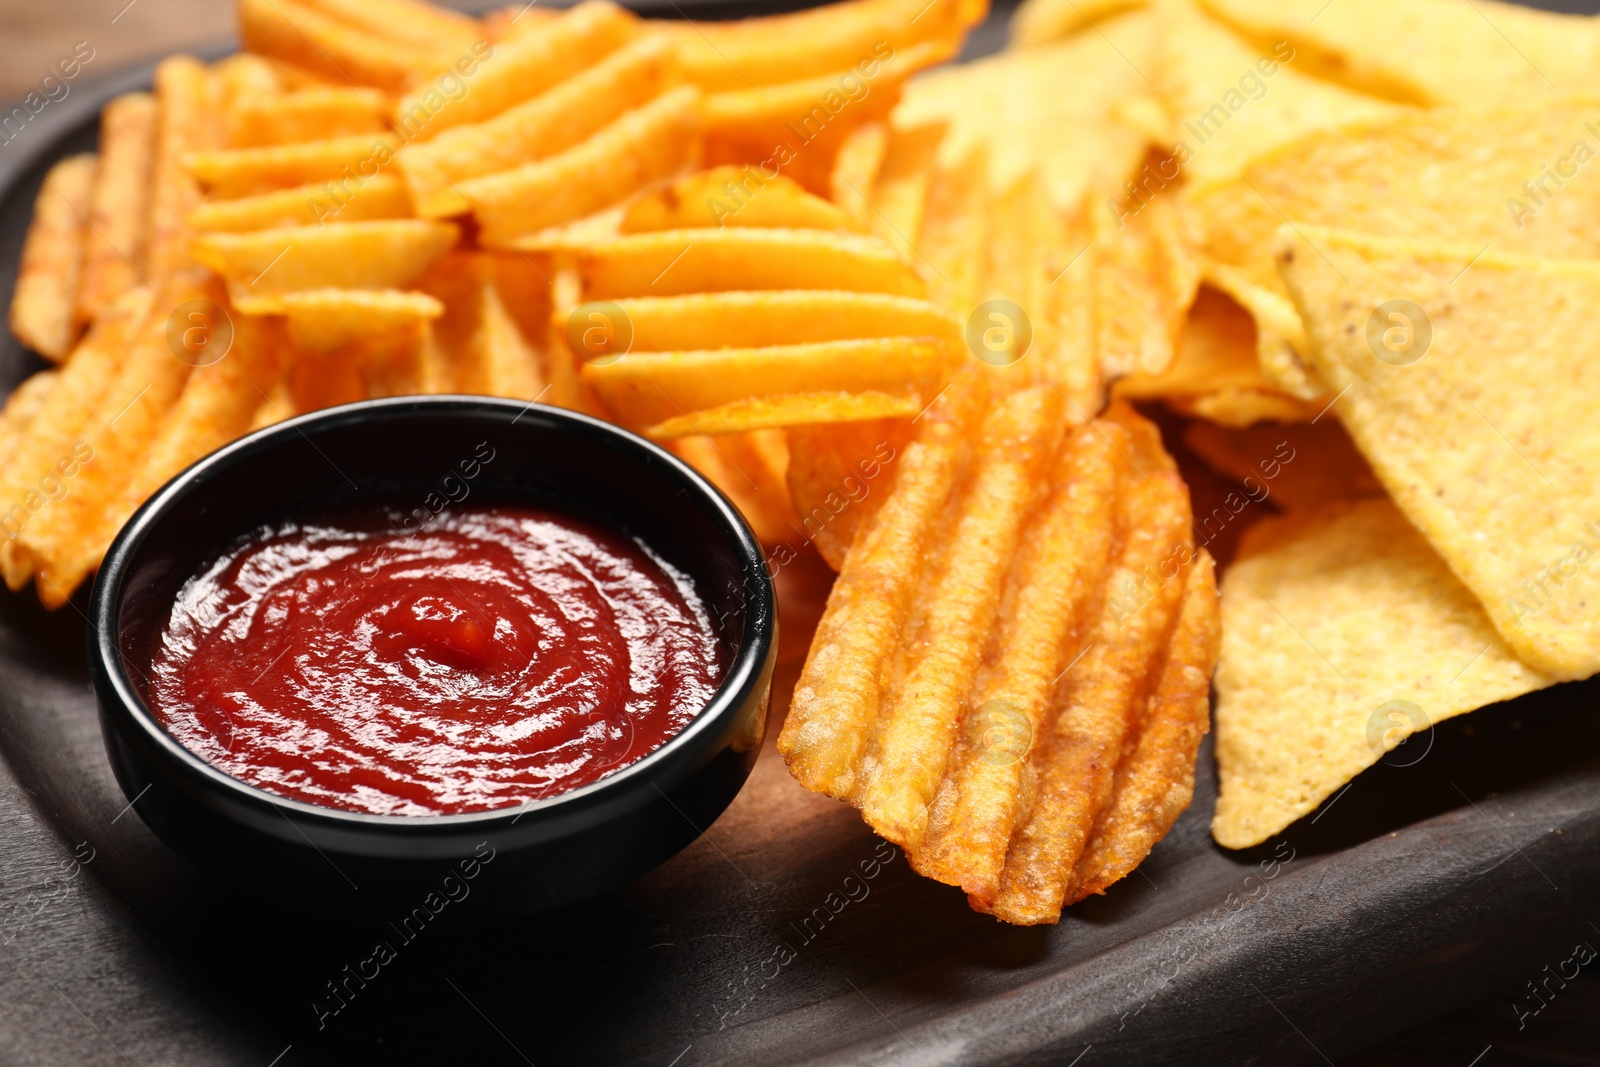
1427	175
1428	51
1216	375
1468	381
1053	109
1342	634
1230	102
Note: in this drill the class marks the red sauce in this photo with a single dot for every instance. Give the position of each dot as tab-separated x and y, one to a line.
496	656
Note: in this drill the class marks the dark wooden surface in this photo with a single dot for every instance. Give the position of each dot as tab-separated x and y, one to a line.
1401	901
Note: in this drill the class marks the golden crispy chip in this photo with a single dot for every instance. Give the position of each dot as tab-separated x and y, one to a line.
1022	275
1069	347
525	287
799	126
787	409
1155	778
358	255
380	197
514	20
948	626
552	122
1239	408
22	408
54	447
1040	21
1217	374
415	22
894	205
1058	568
278	405
321	320
838	477
1466	379
235	172
243	80
719	56
836	703
1230	101
566	291
291	76
1049	110
19	426
1343	633
336	51
856	169
1422	175
956	227
46	292
378	334
993	560
641	147
669	262
128	416
187	123
114	258
1296	465
749	468
1218	352
217	405
316	114
482	349
1096	710
1429	51
643	389
1145	279
732	196
773	317
522	67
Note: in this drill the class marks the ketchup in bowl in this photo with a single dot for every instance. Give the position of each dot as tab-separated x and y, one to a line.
497	655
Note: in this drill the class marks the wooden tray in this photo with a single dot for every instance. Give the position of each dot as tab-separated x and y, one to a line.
1418	889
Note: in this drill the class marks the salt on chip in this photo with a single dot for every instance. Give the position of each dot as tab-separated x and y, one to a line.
1468	380
1428	52
1343	633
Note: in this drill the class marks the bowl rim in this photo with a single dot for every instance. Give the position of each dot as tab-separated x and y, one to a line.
745	674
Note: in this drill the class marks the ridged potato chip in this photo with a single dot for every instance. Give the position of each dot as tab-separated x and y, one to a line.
1038	569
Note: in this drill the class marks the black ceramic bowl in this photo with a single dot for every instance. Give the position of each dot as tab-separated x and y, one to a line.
541	855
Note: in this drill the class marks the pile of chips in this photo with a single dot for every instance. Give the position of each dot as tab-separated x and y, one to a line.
901	311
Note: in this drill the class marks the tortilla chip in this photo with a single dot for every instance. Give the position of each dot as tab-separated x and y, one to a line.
1297	466
1145	280
1428	51
1467	381
1342	633
1239	408
1217	375
1049	109
1230	101
1425	175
